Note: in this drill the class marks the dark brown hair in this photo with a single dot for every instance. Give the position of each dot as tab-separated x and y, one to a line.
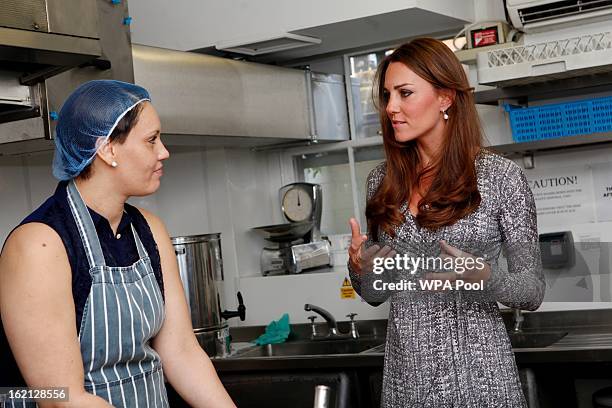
119	134
453	192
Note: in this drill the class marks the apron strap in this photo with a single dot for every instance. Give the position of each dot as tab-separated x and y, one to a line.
86	227
142	252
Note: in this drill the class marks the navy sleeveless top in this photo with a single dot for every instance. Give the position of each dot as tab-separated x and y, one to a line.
119	250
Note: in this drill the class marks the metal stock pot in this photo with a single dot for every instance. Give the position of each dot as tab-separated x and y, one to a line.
201	266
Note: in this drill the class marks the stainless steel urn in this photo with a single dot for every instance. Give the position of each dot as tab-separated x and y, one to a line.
201	267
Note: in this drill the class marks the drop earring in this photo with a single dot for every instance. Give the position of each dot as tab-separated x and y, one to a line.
114	164
445	115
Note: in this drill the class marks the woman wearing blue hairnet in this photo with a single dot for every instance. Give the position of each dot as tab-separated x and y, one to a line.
90	294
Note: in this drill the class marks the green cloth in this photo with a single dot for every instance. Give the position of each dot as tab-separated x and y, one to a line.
276	332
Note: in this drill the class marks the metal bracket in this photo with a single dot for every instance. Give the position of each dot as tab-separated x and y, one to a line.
528	161
312	119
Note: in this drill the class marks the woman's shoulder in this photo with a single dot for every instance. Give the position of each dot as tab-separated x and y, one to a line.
36	242
380	168
54	212
492	165
375	177
377	173
500	173
47	212
48	222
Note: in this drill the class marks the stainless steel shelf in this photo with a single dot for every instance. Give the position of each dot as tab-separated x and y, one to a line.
553	144
549	89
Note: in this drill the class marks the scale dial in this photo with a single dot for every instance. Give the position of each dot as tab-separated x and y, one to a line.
297	204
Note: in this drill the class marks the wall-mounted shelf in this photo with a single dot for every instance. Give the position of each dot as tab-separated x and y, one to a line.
547	90
565	88
553	144
557	58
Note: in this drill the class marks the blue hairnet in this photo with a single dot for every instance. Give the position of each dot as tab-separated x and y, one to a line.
86	120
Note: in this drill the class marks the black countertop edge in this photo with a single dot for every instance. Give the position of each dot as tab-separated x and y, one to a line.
563	356
300	363
363	360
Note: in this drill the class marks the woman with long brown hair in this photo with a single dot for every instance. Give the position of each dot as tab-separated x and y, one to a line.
439	192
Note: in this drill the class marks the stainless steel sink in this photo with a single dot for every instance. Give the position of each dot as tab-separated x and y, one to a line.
535	339
376	345
313	348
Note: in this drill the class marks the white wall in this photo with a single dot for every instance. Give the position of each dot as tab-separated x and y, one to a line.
567	285
489	10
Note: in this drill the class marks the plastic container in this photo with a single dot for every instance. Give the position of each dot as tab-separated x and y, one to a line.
561	119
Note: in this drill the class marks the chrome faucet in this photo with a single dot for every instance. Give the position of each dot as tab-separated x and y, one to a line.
331	324
518	320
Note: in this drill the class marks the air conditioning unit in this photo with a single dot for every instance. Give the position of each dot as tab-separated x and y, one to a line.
544	15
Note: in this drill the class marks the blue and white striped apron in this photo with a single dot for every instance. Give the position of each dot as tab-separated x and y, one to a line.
124	311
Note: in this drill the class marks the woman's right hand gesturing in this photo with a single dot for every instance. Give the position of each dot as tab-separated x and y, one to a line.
361	259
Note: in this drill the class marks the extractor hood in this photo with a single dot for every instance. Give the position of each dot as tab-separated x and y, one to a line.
211	101
47	49
41	38
202	95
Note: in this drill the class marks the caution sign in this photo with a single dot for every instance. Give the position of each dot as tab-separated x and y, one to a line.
347	291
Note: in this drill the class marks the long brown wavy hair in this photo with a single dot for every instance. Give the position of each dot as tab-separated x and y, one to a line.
453	192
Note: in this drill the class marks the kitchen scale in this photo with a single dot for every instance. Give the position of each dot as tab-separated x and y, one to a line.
297	244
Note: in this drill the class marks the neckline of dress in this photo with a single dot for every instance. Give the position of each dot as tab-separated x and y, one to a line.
480	154
409	213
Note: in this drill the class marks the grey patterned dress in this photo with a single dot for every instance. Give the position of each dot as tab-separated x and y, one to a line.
450	349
